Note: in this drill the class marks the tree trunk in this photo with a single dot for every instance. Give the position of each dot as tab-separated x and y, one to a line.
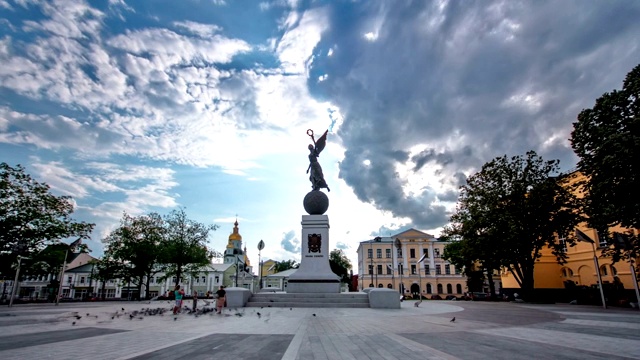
140	282
104	286
492	286
527	283
146	294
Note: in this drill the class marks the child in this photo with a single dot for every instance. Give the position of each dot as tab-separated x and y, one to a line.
178	294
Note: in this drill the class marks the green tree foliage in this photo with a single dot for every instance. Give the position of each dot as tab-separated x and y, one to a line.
184	248
31	217
509	211
606	138
459	253
284	265
137	246
106	269
340	264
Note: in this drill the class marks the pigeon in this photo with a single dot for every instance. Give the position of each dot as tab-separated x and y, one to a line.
290	308
87	314
453	320
122	309
259	315
73	323
417	303
314	314
175	318
270	300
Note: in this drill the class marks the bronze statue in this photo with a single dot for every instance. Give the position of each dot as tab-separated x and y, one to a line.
316	177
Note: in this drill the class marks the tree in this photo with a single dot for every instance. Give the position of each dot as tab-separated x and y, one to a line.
106	269
340	264
31	217
510	210
279	266
606	138
136	246
462	256
184	247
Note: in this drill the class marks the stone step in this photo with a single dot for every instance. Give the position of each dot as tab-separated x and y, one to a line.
306	305
310	300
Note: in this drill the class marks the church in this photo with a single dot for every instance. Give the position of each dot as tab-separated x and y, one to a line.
236	257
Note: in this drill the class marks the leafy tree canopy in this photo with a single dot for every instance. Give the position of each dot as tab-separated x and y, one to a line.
285	265
340	264
509	211
184	248
606	139
31	217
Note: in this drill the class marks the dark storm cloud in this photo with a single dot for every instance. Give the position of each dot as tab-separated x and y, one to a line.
466	82
290	243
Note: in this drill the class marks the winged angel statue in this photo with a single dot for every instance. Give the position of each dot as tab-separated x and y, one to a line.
316	177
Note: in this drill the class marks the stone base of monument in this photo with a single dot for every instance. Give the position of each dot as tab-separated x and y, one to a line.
314	274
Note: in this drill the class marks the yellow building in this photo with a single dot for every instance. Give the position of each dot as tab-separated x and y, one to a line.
580	266
382	264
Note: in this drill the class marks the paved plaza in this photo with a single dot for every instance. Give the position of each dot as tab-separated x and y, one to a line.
481	330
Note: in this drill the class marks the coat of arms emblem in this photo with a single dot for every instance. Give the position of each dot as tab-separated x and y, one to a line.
314	242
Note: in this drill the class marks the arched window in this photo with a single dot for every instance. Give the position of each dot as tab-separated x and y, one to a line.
449	289
428	288
439	288
603	270
458	288
614	271
380	285
564	272
389	286
371	285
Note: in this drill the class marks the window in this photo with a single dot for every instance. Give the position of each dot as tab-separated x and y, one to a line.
426	269
428	288
449	289
425	252
371	285
447	269
380	285
438	270
563	244
603	270
389	286
69	280
413	269
388	252
370	269
457	271
197	280
400	252
458	289
379	253
389	269
439	288
614	271
217	279
436	253
400	269
412	253
379	269
204	279
602	240
369	253
81	279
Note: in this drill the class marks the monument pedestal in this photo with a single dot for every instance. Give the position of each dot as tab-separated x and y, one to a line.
314	274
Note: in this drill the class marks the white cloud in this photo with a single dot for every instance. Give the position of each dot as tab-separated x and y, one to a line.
296	46
202	30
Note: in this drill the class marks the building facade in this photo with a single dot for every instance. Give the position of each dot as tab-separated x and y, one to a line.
382	264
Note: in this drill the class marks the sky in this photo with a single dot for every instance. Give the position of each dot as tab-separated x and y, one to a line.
149	106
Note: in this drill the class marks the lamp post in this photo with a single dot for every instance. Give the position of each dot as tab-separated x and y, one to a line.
15	281
260	247
371	257
393	279
584	237
399	247
419	277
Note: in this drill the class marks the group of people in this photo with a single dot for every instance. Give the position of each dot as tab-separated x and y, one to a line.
221	299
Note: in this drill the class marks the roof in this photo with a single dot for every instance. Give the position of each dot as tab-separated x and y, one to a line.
220	267
285	273
86	268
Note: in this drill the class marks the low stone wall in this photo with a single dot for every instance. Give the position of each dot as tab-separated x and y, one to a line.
384	299
237	296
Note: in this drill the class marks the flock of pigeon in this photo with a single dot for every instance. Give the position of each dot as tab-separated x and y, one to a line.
160	311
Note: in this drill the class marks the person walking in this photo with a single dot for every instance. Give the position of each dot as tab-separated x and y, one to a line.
178	295
195	300
222	299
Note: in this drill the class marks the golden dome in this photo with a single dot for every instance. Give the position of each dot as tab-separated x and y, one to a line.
235	235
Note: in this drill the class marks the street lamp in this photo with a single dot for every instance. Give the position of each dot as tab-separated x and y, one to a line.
399	247
393	279
371	256
583	237
260	247
15	281
420	278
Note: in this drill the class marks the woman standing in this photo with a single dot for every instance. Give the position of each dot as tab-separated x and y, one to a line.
221	299
178	294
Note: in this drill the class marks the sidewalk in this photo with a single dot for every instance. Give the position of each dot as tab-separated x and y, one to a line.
480	331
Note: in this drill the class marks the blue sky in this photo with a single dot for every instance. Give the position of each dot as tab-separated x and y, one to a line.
140	106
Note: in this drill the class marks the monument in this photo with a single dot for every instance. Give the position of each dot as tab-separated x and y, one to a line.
314	274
